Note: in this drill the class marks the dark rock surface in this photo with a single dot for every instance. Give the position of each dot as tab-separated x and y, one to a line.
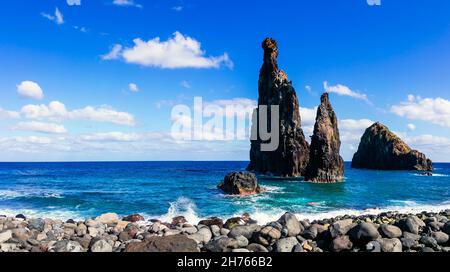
133	218
325	163
274	88
240	183
383	150
174	243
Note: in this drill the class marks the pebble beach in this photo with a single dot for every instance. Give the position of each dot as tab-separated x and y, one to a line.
385	232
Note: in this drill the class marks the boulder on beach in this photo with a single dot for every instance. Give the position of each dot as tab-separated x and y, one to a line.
240	183
274	88
325	163
381	149
173	243
133	218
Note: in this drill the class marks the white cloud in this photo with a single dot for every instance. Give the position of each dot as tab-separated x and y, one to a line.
58	17
239	107
435	147
112	137
74	2
177	52
308	116
114	53
33	140
81	29
30	89
344	91
433	110
125	3
40	127
57	111
6	114
185	84
133	87
411	127
177	8
351	130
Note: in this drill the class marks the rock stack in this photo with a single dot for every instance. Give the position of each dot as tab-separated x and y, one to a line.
381	149
291	157
325	163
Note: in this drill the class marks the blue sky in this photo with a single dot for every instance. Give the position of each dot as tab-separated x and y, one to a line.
65	95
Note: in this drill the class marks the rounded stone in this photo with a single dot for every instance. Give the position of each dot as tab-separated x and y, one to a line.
390	231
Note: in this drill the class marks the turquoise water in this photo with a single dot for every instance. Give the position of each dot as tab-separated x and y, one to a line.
166	189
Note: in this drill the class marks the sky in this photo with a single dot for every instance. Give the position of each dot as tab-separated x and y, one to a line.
98	80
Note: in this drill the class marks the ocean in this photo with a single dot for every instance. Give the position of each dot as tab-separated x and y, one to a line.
166	189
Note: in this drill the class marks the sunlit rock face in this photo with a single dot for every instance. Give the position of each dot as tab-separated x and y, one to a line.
291	157
381	149
325	163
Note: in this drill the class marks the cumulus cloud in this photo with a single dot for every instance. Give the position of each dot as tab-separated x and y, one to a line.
433	110
57	111
344	91
351	130
30	89
57	17
74	2
34	126
177	8
435	147
126	3
133	87
6	114
177	52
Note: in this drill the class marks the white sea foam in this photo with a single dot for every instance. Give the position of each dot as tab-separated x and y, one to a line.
11	194
8	194
183	206
52	214
266	216
434	175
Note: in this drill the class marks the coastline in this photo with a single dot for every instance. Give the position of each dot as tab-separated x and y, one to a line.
383	232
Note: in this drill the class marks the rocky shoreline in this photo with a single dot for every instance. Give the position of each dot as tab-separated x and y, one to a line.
385	232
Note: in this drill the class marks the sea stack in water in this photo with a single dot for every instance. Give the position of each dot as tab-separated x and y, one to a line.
383	150
240	183
291	157
325	163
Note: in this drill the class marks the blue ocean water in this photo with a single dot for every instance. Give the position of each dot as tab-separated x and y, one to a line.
166	189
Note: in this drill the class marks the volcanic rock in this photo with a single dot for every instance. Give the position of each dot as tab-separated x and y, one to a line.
325	163
383	150
173	243
291	157
240	184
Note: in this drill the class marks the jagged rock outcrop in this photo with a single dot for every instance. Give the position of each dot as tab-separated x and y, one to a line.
381	149
291	157
240	183
325	163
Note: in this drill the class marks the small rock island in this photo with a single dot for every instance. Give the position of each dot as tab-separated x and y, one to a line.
274	88
325	163
381	149
240	183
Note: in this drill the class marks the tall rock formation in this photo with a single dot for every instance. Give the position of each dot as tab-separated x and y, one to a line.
381	149
291	157
325	163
